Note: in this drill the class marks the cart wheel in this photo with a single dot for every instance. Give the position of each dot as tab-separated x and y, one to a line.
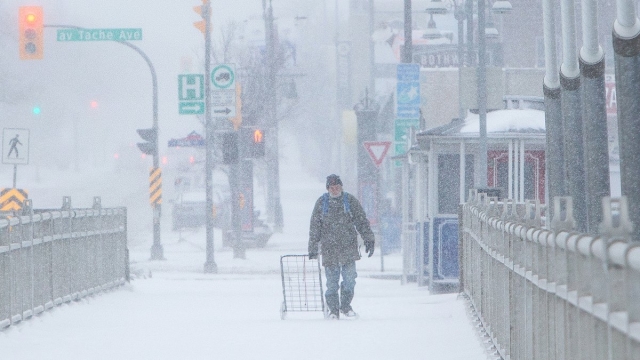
283	313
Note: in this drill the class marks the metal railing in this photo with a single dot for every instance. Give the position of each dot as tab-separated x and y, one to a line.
49	257
552	294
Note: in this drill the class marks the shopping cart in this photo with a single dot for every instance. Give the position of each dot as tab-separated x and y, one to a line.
301	285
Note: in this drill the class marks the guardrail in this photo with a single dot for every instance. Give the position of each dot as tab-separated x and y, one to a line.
49	257
552	294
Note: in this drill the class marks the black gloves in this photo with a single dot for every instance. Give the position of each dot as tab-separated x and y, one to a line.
313	255
368	245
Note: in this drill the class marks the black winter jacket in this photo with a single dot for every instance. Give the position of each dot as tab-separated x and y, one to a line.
336	230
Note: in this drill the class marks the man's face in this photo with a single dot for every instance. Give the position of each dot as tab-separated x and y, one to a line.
335	190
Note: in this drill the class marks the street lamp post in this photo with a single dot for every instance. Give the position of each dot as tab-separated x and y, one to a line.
500	7
157	251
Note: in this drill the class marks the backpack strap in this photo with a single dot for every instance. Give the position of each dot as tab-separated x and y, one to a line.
325	203
345	203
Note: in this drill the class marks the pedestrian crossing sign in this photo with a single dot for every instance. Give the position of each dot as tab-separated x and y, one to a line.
15	146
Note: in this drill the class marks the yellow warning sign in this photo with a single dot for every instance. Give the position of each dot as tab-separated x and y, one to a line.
12	199
155	186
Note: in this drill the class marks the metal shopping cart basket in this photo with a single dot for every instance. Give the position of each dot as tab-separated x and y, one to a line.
301	285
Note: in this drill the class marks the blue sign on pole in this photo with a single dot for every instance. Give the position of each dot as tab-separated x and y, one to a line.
408	91
408	72
407	103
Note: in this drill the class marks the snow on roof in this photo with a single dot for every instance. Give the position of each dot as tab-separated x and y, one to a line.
526	120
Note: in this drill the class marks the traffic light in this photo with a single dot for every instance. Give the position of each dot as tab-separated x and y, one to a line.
254	140
230	150
31	32
237	120
150	147
205	12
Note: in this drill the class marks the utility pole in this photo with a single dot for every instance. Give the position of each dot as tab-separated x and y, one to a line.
407	52
372	51
482	96
274	207
210	264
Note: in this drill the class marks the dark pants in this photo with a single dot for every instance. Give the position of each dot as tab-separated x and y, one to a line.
349	275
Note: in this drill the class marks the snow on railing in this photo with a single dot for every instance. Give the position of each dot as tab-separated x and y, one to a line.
49	257
552	293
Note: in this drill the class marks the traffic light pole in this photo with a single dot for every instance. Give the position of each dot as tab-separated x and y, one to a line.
274	206
210	266
157	252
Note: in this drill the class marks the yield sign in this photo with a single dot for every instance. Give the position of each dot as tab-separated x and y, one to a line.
377	150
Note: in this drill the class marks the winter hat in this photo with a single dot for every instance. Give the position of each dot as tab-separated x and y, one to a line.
333	179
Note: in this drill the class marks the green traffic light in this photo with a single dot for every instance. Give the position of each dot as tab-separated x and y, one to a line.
36	110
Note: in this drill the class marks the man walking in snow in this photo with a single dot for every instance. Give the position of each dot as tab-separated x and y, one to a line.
336	217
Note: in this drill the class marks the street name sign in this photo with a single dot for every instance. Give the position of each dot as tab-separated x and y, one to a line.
191	94
99	34
15	146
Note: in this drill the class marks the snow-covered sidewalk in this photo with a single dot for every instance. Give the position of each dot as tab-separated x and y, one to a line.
172	310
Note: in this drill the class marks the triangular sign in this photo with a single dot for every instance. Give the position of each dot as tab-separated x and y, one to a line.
377	150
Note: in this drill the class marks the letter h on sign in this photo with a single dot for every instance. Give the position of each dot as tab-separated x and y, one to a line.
191	87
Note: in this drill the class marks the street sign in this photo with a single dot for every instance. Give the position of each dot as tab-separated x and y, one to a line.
99	34
224	111
223	76
192	140
402	127
191	94
408	91
408	72
155	186
191	107
225	97
377	150
12	199
15	146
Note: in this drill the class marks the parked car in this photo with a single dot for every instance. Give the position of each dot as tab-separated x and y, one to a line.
190	210
257	238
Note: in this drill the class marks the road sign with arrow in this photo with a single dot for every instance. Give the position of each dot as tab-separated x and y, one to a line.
223	95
